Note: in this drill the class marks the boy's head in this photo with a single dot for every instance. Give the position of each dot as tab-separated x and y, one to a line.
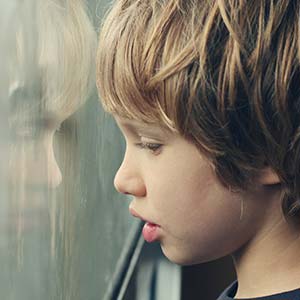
49	57
223	74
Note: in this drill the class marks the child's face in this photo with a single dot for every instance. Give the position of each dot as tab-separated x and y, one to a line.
33	173
175	187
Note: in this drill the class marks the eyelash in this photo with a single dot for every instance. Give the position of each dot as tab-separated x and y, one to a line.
150	146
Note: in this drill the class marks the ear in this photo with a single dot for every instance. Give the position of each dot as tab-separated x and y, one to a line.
267	176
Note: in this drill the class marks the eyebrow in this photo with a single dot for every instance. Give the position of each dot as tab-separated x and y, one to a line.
143	128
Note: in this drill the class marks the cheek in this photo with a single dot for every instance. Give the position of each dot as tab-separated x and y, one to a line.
200	219
204	225
182	193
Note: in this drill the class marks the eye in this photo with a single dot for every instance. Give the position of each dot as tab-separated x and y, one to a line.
25	132
30	130
153	147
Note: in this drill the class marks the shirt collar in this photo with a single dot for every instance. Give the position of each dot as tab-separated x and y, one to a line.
229	292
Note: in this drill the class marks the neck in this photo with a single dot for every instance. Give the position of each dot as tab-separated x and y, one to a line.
269	263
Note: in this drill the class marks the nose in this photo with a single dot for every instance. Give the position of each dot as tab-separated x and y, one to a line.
34	165
54	174
128	180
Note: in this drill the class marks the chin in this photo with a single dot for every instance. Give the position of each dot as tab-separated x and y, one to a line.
179	257
187	258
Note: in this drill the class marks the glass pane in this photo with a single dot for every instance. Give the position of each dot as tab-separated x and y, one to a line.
64	229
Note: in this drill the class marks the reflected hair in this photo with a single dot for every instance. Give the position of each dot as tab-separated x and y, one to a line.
53	55
224	74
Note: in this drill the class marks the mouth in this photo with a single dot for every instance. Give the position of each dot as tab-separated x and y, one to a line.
136	215
150	230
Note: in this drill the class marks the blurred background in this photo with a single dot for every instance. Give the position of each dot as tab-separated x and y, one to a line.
65	233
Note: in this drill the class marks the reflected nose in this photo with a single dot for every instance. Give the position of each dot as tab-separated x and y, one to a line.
34	165
53	176
44	171
54	173
128	181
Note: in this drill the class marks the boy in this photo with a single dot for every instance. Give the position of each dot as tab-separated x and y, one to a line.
206	94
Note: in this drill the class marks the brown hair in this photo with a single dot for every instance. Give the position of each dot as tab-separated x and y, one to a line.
223	73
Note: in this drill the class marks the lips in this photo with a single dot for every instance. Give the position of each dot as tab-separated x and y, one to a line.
136	215
151	231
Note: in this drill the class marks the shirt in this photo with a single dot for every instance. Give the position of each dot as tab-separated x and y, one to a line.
230	292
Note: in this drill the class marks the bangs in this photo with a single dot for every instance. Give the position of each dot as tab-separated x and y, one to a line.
135	51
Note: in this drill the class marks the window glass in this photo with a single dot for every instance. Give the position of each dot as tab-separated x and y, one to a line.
64	229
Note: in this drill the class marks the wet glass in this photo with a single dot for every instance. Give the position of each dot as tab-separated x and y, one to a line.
63	227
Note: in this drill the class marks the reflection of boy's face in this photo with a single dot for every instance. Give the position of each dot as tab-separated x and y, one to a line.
174	186
33	173
32	159
33	122
33	170
49	64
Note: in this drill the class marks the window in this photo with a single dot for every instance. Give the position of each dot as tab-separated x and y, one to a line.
65	231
